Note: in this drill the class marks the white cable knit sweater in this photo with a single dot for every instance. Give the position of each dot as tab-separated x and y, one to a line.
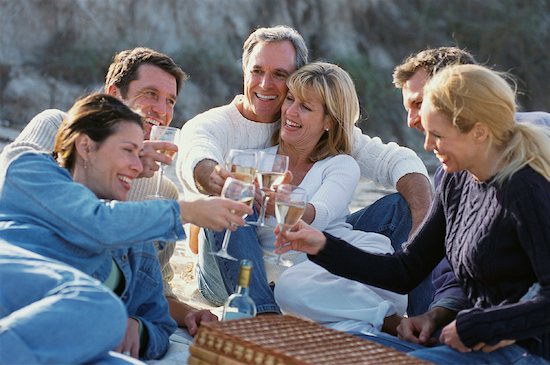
41	130
210	135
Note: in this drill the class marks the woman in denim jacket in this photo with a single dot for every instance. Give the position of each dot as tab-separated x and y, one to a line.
70	210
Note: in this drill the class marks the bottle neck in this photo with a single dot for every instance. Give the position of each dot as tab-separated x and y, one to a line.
243	290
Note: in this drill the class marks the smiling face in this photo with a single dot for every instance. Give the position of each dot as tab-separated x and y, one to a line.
303	122
265	77
413	93
455	150
111	165
153	95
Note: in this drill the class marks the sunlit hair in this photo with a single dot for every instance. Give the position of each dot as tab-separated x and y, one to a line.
336	89
97	116
468	94
125	65
432	60
278	33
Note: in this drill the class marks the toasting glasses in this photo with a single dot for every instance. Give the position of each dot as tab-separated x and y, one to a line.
240	191
167	134
290	205
242	164
270	173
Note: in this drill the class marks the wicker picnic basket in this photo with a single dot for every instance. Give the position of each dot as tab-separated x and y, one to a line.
285	340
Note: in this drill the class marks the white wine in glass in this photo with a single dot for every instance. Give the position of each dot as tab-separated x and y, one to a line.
240	191
167	134
271	172
242	164
290	205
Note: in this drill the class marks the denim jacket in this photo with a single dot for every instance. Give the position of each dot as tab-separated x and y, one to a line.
43	210
143	296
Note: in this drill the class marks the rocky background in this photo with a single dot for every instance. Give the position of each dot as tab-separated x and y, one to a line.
52	51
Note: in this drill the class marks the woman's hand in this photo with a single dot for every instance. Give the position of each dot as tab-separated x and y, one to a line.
130	342
449	336
214	213
301	237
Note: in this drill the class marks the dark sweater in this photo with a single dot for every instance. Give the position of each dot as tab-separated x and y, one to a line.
497	240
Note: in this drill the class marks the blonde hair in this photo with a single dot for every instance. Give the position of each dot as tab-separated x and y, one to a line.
468	94
336	89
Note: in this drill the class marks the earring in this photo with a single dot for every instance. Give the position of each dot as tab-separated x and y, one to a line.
85	164
326	129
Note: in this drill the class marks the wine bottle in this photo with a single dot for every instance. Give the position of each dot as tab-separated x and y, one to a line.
240	304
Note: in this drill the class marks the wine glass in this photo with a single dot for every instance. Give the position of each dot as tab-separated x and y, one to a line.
242	164
290	205
166	134
240	191
270	173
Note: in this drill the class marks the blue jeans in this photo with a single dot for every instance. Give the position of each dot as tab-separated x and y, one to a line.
390	216
52	313
218	277
513	354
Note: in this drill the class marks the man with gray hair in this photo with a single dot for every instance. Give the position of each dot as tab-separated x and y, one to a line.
270	55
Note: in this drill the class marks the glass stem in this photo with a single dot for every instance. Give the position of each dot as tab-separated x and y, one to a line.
261	218
159	181
226	240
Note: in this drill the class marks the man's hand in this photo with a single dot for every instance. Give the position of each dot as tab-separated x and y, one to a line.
210	177
189	317
151	157
419	329
197	316
130	342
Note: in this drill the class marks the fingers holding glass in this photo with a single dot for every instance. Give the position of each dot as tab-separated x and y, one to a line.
239	191
290	205
270	173
166	134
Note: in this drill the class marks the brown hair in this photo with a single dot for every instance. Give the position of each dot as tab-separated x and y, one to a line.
97	116
432	60
125	65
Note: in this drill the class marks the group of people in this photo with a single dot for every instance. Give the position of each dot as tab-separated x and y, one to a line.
76	230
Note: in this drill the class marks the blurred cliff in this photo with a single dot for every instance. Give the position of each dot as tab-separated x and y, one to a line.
52	51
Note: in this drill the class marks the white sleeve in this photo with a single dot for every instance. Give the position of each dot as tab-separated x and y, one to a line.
42	129
203	137
331	200
384	163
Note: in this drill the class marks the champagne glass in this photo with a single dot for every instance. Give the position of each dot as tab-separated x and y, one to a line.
242	164
166	134
290	205
271	172
240	191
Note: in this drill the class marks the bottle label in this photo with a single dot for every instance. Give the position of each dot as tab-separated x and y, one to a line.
235	315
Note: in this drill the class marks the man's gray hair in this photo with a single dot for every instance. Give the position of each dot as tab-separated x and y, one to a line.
276	34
